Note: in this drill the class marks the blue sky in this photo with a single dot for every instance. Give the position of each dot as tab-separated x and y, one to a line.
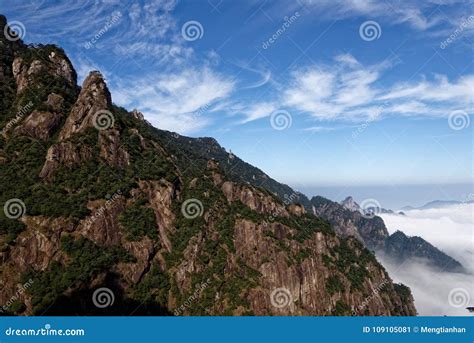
315	93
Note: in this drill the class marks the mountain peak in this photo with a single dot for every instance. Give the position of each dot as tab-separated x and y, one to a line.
93	100
350	204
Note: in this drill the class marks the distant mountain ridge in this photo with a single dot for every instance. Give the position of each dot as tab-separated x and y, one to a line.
349	220
400	248
352	205
435	204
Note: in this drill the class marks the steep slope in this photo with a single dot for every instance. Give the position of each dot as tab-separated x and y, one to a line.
95	197
193	153
371	230
400	248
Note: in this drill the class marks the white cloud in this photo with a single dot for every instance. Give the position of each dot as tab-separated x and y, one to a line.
349	91
431	290
142	30
332	92
450	229
393	12
438	90
176	101
257	111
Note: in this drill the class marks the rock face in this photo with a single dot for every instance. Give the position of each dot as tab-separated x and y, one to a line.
350	204
94	98
64	154
41	124
26	72
117	203
373	233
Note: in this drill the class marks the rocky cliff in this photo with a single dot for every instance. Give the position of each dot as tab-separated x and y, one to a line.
348	219
95	199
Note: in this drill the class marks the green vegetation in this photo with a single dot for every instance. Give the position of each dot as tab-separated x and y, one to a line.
302	255
86	261
403	291
139	221
334	285
154	287
341	309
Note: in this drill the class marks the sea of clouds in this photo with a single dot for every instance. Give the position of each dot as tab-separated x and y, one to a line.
450	229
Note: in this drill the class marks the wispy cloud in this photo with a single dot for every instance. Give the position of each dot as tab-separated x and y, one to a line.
143	29
180	102
346	90
395	12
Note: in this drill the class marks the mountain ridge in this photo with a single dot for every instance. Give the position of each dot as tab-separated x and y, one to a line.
94	198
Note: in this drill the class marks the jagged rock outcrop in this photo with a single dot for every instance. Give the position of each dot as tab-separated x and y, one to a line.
111	149
102	227
41	124
341	219
64	154
350	204
161	195
26	72
93	98
254	200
